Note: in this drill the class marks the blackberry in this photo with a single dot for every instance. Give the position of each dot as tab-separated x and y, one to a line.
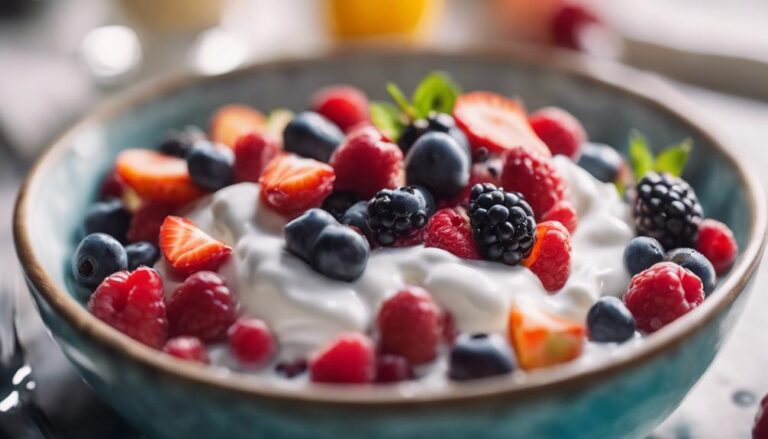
400	212
339	202
666	208
502	222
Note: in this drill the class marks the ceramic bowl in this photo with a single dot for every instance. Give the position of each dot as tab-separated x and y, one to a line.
622	395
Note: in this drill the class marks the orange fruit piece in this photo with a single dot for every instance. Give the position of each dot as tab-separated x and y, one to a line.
543	339
232	121
157	177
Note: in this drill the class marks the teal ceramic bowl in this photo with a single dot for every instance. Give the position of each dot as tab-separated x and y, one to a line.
624	395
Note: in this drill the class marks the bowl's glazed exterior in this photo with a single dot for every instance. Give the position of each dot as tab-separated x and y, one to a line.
621	396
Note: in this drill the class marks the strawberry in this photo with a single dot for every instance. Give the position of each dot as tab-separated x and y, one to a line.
564	213
157	177
344	105
234	120
291	184
535	176
253	151
146	221
366	163
189	249
494	122
543	339
560	131
449	229
550	258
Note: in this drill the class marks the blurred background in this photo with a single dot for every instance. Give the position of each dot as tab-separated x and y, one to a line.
61	58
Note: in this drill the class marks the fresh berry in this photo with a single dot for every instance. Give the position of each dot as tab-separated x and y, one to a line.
340	253
157	177
609	320
339	202
661	294
348	359
178	143
253	151
344	105
438	163
450	332
449	229
202	307
189	249
641	253
480	355
502	223
535	176
399	213
291	184
559	130
312	135
392	369
187	348
357	217
133	304
96	257
717	243
232	121
251	341
112	187
141	253
301	233
109	217
543	339
666	208
602	161
410	325
484	171
435	122
550	259
697	264
760	428
366	163
564	213
211	166
496	123
146	221
291	369
568	22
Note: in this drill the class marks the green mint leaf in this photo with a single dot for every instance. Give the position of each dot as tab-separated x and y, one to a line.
399	97
387	118
640	155
436	92
673	158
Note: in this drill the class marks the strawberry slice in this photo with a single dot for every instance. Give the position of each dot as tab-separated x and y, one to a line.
494	122
232	121
189	249
291	184
156	177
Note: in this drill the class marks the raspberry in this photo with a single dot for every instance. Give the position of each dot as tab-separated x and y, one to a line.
251	341
550	258
344	105
133	304
562	132
410	325
661	294
349	359
366	163
187	348
717	243
564	213
392	369
202	306
535	176
252	153
760	428
449	229
146	221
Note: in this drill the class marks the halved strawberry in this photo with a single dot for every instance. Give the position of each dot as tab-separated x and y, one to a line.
189	249
543	339
157	177
291	184
232	121
494	122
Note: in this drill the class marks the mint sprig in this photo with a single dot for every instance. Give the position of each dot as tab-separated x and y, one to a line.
671	160
387	118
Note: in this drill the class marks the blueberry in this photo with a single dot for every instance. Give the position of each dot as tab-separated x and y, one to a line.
141	253
438	163
97	256
610	321
696	263
439	122
109	217
340	253
479	355
211	166
602	161
339	202
312	135
302	232
357	216
641	253
178	143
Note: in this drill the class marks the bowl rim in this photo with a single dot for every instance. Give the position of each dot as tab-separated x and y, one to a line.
637	85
